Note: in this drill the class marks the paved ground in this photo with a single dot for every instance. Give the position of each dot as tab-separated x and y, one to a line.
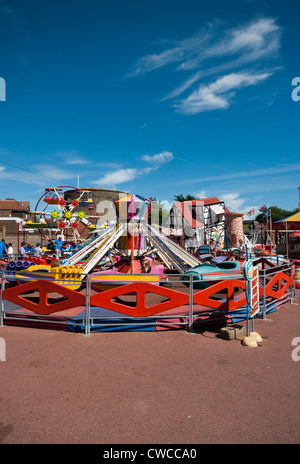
151	388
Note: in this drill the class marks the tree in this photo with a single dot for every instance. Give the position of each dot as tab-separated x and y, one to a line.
276	214
181	197
158	213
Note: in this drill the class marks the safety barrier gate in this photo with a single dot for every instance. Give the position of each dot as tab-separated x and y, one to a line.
177	305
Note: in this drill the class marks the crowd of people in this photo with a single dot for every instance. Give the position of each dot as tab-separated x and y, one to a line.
55	247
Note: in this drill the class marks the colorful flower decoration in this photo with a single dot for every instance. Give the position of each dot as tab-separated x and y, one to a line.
74	203
74	225
62	201
62	225
81	214
55	214
68	214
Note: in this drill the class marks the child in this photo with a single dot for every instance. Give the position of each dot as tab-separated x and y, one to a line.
10	252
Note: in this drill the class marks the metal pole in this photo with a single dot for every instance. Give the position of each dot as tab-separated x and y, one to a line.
291	286
264	295
271	231
248	309
1	298
191	304
88	307
286	241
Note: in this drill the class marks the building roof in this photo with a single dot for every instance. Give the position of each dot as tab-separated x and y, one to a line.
209	201
186	208
293	218
213	201
10	204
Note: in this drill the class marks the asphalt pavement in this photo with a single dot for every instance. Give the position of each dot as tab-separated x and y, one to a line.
167	387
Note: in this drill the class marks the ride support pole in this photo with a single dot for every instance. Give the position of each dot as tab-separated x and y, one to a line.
264	296
191	294
1	298
88	307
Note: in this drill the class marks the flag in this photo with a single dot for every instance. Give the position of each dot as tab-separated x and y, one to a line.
251	212
263	208
266	213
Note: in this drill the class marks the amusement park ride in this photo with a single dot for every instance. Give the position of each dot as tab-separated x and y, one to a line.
140	255
70	216
132	242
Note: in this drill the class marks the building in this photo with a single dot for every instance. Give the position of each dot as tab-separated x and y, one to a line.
198	222
13	217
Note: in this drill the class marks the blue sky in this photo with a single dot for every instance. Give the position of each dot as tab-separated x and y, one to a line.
154	98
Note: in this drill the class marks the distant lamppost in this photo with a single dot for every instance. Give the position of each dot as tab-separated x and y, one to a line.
42	221
20	224
299	198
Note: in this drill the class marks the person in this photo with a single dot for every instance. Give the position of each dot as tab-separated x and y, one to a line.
57	252
230	256
59	242
65	250
109	255
241	247
54	263
146	266
38	250
75	246
3	248
10	252
22	250
29	249
51	245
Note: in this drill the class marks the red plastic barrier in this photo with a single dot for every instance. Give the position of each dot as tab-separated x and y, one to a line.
281	290
14	295
104	299
229	303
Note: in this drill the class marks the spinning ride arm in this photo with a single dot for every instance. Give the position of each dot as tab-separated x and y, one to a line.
170	252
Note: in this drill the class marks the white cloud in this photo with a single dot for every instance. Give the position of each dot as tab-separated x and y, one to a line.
54	173
250	42
201	194
42	174
218	94
280	169
120	176
233	201
213	51
159	158
71	157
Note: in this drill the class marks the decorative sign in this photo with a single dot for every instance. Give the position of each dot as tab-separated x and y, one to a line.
248	270
254	292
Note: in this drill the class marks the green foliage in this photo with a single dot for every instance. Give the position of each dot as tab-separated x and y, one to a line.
181	197
276	214
158	213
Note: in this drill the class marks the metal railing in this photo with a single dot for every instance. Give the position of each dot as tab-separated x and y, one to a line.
186	316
